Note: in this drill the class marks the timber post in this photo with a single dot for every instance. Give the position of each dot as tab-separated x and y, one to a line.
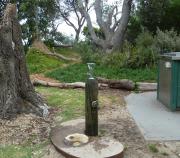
91	103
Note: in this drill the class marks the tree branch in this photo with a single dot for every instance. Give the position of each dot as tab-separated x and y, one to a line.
89	23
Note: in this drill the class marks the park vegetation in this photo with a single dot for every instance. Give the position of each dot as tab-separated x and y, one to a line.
124	44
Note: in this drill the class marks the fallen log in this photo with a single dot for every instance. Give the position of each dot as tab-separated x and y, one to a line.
144	86
59	56
118	84
37	82
103	84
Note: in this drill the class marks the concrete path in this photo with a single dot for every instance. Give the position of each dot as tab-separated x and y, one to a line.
155	120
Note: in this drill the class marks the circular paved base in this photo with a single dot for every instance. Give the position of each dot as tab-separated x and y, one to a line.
98	147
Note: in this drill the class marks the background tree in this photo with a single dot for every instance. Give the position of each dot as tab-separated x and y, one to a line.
107	17
69	8
170	20
17	94
36	16
134	27
151	13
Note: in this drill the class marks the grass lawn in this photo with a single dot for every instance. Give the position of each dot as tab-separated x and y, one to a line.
77	72
70	101
55	68
38	62
21	151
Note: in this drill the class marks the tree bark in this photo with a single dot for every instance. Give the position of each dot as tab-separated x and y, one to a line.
17	94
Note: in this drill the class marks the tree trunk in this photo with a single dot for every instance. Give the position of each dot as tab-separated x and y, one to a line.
17	94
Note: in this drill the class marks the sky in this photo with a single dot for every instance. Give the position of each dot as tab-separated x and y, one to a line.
69	31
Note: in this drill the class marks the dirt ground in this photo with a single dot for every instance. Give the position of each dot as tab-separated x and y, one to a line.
120	125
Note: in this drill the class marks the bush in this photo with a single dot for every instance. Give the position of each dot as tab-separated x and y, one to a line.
88	52
115	59
145	53
167	41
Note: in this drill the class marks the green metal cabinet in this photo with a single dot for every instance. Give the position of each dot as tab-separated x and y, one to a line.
169	80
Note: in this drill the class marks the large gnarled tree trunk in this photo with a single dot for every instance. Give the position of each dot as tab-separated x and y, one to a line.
17	94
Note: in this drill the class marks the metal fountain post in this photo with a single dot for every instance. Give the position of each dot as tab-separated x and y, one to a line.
91	103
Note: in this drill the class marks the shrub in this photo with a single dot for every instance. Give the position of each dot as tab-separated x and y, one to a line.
115	59
88	52
144	54
167	41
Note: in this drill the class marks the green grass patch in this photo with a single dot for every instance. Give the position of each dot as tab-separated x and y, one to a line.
70	101
153	148
77	72
20	151
38	62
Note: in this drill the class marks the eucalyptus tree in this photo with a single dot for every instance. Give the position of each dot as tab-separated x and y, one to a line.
111	19
71	14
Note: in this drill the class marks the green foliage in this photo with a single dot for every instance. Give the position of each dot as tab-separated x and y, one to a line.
151	13
171	17
145	53
78	72
38	62
167	41
115	60
146	50
163	14
153	148
134	29
88	52
55	38
36	16
99	33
